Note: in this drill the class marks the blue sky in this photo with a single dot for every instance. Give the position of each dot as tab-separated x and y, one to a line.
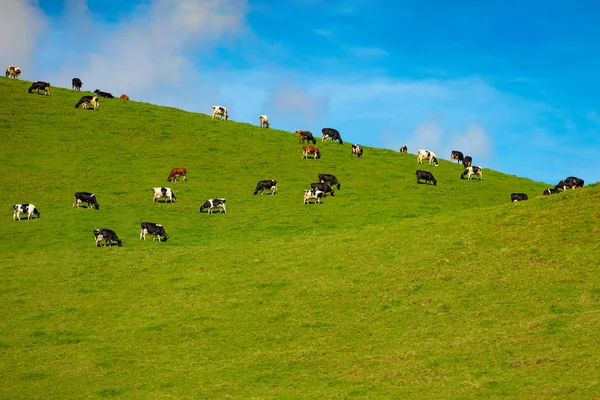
511	83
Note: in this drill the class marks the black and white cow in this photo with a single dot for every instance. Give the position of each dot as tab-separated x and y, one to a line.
330	133
457	155
163	192
109	236
565	184
514	197
550	191
329	179
426	176
305	136
470	171
86	197
467	161
85	100
104	94
323	187
156	230
220	111
404	149
37	85
214	203
427	155
261	186
313	194
575	182
28	209
76	83
357	150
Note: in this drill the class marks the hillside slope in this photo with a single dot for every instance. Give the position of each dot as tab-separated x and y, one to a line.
388	289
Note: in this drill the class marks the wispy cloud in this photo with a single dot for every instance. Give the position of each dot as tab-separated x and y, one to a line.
21	25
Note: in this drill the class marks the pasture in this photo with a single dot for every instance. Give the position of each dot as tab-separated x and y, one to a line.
389	289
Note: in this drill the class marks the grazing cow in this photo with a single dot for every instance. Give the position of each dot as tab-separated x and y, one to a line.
305	136
76	84
329	179
330	133
313	194
427	155
322	187
220	111
457	155
214	203
314	150
575	182
86	197
157	230
85	100
264	121
404	149
104	94
37	85
28	209
514	197
357	150
469	171
164	192
124	97
426	176
108	236
261	186
467	161
550	191
13	72
175	172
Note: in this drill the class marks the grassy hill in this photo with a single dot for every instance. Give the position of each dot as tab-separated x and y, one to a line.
389	289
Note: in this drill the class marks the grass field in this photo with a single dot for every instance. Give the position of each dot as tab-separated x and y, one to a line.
389	289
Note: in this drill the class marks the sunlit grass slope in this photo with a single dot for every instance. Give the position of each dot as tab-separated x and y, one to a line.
389	289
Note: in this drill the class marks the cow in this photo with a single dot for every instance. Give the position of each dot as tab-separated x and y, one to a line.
313	194
214	203
467	161
85	100
322	187
108	236
13	72
124	97
404	149
514	197
469	171
86	197
357	150
37	85
305	136
175	172
329	179
163	192
314	150
76	84
28	209
156	230
550	191
456	155
575	182
104	94
263	120
261	186
427	155
426	176
220	111
330	133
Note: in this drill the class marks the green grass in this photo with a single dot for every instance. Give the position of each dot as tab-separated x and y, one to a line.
389	289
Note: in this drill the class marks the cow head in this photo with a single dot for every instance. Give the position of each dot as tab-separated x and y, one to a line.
435	161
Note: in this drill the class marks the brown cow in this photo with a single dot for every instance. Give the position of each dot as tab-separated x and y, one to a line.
13	72
314	150
124	97
305	136
175	172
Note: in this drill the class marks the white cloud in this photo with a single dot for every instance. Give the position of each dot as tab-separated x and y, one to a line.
475	141
21	24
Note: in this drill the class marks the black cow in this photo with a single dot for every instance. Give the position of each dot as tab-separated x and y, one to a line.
37	85
157	230
323	187
86	197
565	184
330	179
214	203
426	176
104	94
77	84
514	197
330	133
575	182
109	236
261	186
550	191
305	136
456	155
28	209
467	161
